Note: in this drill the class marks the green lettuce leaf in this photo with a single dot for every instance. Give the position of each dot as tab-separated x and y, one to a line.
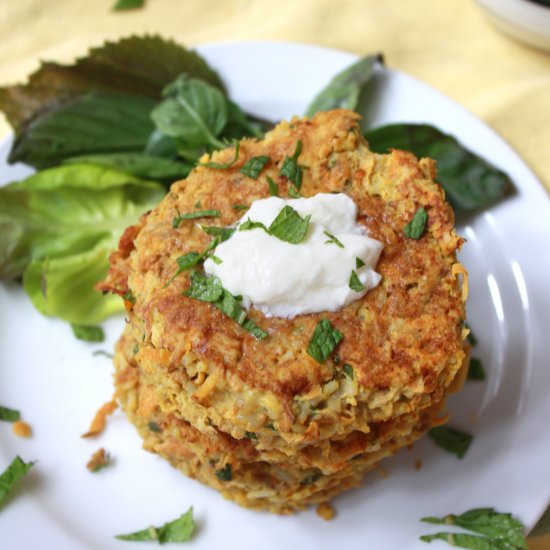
64	287
62	223
92	123
137	65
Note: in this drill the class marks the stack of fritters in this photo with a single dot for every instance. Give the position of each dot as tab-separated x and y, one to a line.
261	420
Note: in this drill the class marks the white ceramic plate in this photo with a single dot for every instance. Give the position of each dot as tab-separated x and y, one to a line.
58	385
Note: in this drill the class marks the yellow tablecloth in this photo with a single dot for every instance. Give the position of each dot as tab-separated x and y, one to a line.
448	44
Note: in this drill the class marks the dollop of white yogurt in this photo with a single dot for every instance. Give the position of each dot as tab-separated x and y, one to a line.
285	280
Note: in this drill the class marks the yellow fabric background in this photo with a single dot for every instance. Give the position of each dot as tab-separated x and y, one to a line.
447	44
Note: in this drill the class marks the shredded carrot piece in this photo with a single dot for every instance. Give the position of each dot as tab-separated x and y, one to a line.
440	421
99	460
326	511
459	269
100	419
21	429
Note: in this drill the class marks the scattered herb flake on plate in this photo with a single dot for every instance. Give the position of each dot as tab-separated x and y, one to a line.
501	531
88	333
453	441
178	530
9	415
15	471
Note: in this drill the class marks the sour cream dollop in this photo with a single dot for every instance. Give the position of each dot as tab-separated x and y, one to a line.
284	280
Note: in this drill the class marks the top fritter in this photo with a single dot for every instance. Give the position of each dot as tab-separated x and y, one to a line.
402	342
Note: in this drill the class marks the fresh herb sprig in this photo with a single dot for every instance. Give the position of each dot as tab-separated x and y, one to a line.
178	530
288	226
15	471
9	415
293	171
500	531
197	214
454	441
209	289
324	341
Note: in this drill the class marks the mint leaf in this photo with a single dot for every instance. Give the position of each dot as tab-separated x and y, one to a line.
463	540
453	441
194	215
122	5
88	333
179	530
348	370
223	165
137	65
240	207
476	370
288	226
273	188
254	166
187	261
416	227
248	225
225	473
502	530
359	263
290	168
333	240
324	341
209	289
90	124
312	478
355	283
9	415
193	112
206	289
344	90
223	233
15	471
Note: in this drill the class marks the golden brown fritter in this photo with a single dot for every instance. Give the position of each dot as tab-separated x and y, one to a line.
403	339
283	485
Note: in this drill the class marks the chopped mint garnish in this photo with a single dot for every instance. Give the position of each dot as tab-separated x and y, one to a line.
223	165
291	169
9	415
15	471
355	283
476	370
332	239
179	530
209	289
254	166
272	186
194	215
416	227
225	473
348	370
88	333
324	341
453	441
500	531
